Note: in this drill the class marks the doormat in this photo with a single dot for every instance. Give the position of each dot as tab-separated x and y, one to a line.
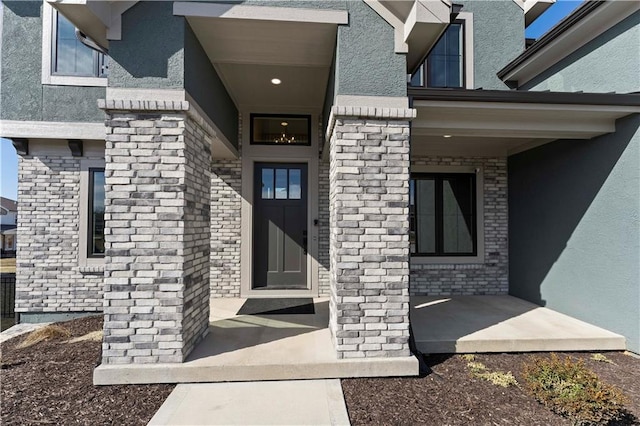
296	306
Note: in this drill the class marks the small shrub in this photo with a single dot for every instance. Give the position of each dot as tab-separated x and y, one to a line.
602	358
50	332
468	357
497	378
568	388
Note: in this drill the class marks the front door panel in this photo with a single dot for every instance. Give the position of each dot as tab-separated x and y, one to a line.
280	236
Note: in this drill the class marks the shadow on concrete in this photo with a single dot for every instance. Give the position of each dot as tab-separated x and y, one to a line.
249	331
441	321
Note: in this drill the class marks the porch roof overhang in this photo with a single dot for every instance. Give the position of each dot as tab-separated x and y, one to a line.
249	45
100	20
499	123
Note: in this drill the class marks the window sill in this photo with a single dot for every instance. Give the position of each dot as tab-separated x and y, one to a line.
61	80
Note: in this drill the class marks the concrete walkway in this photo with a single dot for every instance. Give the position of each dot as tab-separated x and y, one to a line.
20	329
302	402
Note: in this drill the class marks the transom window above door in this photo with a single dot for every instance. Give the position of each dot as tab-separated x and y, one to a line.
275	129
281	184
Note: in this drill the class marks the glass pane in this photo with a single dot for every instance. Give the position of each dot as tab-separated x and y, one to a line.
458	222
280	130
267	184
437	71
425	216
453	40
416	78
72	57
97	212
454	72
295	188
281	184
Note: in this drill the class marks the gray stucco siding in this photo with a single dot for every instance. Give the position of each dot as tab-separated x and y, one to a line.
22	94
151	51
498	37
366	62
202	82
574	209
592	68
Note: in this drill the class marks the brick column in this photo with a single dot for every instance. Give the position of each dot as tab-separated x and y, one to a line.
157	231
369	235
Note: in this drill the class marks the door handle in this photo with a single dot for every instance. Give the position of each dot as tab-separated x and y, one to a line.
304	242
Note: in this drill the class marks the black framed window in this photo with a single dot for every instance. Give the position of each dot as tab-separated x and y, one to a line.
444	66
280	129
95	234
72	58
442	214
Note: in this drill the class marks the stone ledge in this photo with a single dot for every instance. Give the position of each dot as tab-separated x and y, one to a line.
98	269
133	105
380	113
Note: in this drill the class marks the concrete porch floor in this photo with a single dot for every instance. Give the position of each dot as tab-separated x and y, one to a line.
260	347
468	324
288	347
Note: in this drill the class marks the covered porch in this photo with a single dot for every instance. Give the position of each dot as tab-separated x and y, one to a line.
248	347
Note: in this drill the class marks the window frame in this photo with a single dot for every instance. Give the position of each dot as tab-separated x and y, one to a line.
466	19
85	207
252	116
478	257
49	25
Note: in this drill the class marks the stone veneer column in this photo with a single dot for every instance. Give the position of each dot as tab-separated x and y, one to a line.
369	235
157	231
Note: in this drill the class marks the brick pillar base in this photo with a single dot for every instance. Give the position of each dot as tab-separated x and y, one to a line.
157	231
369	236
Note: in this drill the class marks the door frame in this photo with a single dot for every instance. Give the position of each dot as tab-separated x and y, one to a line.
252	154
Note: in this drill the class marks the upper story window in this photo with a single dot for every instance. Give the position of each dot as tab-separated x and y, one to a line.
450	62
444	63
65	60
72	58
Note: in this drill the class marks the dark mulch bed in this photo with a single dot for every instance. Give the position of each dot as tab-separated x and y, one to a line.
51	383
451	396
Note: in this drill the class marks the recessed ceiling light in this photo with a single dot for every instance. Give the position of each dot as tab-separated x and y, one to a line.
284	123
276	81
446	136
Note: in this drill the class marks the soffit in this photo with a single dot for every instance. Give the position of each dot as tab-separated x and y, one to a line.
248	53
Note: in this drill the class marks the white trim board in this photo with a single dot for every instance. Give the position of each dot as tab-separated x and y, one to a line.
263	13
52	130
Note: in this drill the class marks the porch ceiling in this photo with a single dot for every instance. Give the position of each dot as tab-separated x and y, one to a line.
250	45
487	123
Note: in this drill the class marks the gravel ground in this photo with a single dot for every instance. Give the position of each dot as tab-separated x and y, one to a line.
51	383
451	396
